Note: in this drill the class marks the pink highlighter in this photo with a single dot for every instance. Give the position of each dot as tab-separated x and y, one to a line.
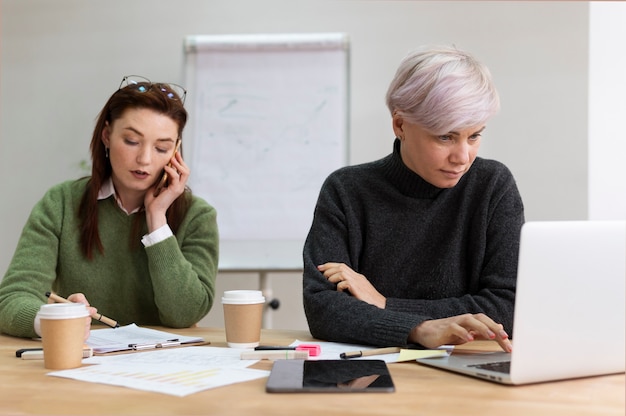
313	349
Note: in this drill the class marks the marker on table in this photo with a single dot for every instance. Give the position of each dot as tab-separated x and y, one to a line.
97	316
367	353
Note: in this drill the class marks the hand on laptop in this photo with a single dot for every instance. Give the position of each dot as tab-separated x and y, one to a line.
458	330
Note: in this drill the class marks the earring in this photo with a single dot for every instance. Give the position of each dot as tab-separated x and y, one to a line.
106	152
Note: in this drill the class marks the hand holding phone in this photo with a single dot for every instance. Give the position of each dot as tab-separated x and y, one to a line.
163	182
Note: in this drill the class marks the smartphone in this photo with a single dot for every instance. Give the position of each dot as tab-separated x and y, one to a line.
163	181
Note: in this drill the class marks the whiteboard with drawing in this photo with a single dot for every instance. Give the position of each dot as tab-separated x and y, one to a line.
268	123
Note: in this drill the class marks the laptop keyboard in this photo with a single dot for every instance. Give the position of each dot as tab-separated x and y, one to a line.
500	366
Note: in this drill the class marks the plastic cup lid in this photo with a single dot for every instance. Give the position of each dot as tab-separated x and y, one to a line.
62	311
243	297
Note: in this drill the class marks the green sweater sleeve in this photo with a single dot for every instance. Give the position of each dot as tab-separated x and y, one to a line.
33	268
183	268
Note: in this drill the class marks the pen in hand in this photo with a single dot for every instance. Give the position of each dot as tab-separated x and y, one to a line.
97	316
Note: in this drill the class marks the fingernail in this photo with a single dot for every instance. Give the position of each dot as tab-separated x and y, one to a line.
503	334
491	334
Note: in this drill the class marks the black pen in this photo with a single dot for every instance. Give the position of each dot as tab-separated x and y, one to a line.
313	349
273	347
97	316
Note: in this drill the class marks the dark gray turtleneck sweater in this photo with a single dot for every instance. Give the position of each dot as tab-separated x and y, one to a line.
432	252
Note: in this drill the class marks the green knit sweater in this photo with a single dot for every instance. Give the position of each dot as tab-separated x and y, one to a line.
171	283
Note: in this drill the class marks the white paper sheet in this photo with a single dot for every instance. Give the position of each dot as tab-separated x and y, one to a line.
177	371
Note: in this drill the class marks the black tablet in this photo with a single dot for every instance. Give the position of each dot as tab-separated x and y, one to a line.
325	376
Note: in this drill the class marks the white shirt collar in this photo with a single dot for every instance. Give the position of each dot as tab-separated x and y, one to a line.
107	190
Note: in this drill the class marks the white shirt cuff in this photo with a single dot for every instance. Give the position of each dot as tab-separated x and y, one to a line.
157	236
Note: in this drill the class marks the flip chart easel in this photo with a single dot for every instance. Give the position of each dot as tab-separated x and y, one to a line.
268	123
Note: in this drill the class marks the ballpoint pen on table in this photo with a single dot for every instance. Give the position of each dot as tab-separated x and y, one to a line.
97	316
37	353
367	353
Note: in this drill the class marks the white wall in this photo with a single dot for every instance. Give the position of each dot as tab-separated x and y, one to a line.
607	111
60	61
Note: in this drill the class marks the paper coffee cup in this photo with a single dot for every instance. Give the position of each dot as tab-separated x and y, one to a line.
243	314
62	334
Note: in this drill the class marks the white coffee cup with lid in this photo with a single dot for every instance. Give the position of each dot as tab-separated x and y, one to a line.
62	327
243	315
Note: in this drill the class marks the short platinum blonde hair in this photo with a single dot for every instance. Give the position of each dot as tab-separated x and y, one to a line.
443	89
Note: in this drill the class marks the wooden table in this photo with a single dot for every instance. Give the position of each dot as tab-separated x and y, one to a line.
26	390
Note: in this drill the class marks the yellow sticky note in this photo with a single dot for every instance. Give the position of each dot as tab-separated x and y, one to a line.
412	355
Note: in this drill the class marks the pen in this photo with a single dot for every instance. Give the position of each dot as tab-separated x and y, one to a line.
97	316
313	349
273	348
366	353
37	353
275	355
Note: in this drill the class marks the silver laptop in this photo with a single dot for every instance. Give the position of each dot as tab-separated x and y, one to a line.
569	307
